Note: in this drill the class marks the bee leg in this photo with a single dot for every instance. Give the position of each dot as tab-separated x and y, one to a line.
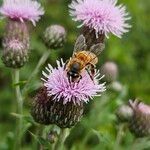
66	64
91	70
79	79
89	74
70	79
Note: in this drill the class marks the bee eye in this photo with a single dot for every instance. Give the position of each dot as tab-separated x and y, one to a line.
76	75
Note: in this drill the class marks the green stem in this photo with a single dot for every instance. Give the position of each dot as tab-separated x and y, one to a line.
135	144
61	139
36	70
19	108
38	133
119	136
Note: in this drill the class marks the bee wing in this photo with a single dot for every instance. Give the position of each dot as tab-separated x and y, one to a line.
80	44
97	48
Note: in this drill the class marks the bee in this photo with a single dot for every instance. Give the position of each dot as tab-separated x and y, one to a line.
83	59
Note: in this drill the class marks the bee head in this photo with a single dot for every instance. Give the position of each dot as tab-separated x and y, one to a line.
74	72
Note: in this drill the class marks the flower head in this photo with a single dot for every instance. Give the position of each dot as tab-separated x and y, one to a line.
15	44
139	106
139	124
61	89
22	10
102	15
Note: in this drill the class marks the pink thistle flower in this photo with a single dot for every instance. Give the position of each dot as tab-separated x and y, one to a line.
139	124
102	15
15	44
60	88
139	106
22	10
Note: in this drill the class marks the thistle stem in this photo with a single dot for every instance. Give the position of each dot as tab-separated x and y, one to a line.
19	108
61	139
36	70
119	136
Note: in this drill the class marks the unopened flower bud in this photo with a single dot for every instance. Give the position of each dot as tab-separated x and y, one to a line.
54	36
52	136
124	113
39	110
110	70
46	111
15	44
117	86
140	122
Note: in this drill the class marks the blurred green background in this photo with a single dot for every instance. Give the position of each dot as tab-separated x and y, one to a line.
98	128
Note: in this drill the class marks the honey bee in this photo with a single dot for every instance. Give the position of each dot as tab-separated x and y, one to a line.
83	59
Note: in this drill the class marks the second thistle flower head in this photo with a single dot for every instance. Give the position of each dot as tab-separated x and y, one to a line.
60	88
22	10
104	16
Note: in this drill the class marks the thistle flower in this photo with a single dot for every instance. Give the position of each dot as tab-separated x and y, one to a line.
15	44
16	38
58	85
110	70
22	10
54	36
140	122
104	16
63	102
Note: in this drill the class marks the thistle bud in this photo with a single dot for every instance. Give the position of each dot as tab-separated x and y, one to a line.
46	111
139	125
52	136
124	113
54	36
39	110
15	44
110	70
